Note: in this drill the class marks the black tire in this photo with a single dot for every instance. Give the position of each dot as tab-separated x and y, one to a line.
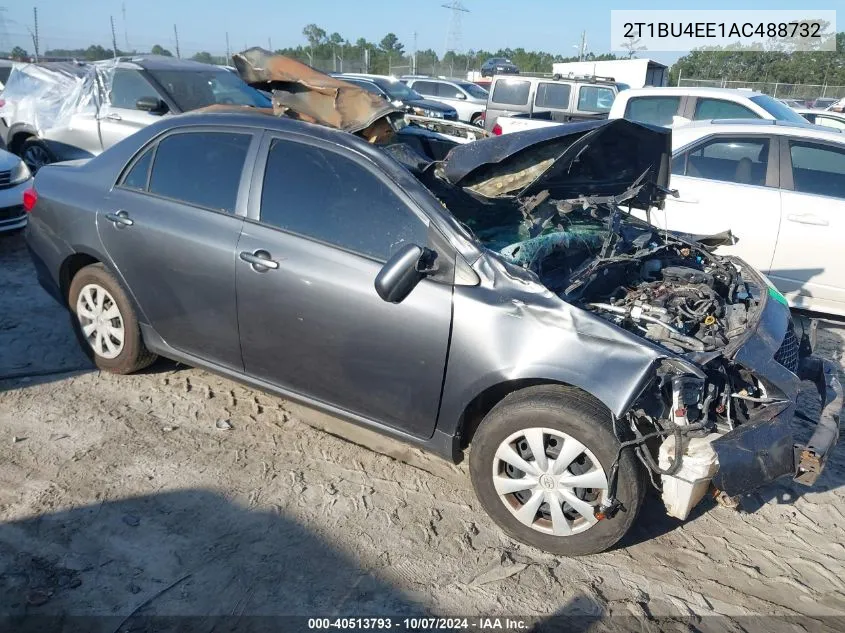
580	416
36	154
478	120
134	356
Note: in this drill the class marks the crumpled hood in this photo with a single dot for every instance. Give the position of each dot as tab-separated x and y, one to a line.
312	95
592	158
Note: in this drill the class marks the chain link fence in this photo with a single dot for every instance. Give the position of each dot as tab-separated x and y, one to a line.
801	92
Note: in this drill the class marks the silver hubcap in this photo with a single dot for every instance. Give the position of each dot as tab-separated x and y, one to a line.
549	481
100	320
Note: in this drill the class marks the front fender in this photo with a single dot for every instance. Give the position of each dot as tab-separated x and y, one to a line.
498	339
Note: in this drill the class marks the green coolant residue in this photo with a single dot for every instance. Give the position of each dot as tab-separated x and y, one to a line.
775	294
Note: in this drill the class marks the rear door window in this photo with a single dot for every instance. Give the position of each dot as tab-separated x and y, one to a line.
706	108
200	168
329	197
553	95
136	178
595	98
425	88
818	169
743	161
511	92
653	110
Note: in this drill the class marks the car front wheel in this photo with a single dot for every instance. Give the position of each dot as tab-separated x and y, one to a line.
105	323
540	464
36	154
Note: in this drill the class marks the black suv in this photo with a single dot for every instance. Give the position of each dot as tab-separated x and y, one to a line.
401	96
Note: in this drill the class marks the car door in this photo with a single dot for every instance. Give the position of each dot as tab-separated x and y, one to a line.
121	117
808	263
311	321
727	182
171	227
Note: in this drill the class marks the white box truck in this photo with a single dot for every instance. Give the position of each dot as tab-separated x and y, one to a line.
633	73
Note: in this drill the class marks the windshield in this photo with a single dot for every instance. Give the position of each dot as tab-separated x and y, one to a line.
397	90
474	90
191	89
777	109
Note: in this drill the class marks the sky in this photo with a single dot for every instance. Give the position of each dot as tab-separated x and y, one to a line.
550	25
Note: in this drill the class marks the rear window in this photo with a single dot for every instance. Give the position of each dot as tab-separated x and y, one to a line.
654	110
511	92
5	71
553	95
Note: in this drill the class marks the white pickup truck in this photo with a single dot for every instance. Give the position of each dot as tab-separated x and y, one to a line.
677	106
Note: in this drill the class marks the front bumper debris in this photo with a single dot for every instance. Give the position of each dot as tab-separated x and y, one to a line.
763	449
810	459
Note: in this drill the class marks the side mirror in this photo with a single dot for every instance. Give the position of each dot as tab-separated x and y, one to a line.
153	105
460	95
402	272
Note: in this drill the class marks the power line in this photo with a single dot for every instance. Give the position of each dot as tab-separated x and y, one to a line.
125	27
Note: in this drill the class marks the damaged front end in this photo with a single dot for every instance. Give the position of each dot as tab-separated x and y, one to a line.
718	407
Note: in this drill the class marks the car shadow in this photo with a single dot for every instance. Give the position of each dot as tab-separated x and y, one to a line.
188	559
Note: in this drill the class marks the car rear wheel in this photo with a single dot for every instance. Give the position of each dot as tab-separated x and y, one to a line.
478	120
36	154
540	462
105	323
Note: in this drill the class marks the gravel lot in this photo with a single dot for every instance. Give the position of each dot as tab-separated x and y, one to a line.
120	496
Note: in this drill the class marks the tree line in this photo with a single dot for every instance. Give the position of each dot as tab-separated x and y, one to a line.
332	51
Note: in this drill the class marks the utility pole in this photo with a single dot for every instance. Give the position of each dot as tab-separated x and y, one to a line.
125	28
113	37
269	45
35	32
176	35
414	56
583	49
453	33
228	52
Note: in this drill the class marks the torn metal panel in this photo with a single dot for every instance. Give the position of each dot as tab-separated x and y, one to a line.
303	92
593	158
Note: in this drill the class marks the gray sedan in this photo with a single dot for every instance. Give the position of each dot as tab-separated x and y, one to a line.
499	297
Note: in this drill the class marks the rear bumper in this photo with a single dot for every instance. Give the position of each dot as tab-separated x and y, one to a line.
763	449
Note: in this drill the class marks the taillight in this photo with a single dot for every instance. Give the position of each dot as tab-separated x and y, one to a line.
30	197
2	102
497	130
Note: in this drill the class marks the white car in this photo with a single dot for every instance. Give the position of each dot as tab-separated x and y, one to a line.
779	188
679	106
827	118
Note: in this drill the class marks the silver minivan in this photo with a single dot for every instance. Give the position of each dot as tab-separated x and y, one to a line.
469	99
560	100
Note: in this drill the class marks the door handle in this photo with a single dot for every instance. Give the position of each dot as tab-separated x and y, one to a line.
259	260
114	116
807	218
121	218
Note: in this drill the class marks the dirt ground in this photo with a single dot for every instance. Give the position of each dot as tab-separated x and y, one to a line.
119	496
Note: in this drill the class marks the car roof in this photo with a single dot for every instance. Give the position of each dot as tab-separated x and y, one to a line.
366	76
837	115
685	134
691	91
163	62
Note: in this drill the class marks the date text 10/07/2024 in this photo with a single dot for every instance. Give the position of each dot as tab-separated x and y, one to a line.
419	624
802	30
